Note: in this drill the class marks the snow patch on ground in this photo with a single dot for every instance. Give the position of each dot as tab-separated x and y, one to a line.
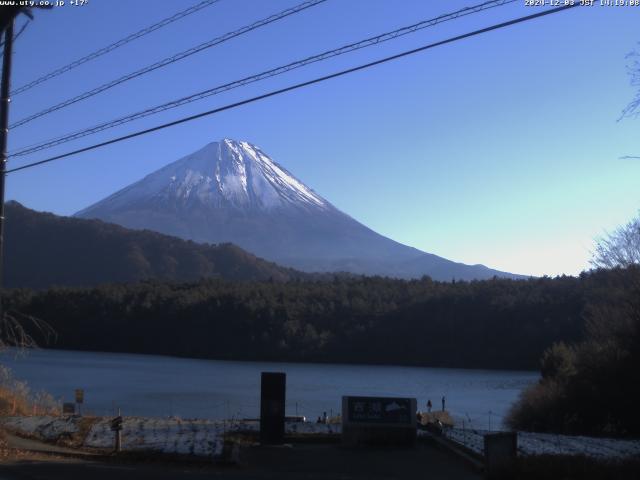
172	436
546	443
203	438
47	428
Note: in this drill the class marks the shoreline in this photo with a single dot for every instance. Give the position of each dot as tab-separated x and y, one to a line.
277	362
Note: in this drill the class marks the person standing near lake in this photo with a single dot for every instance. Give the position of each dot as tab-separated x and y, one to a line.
443	403
429	405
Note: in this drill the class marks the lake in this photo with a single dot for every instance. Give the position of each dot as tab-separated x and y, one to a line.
149	385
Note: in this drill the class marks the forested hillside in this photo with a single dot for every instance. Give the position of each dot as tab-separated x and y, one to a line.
496	323
43	250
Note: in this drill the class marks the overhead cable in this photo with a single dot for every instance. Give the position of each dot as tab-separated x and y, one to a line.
169	60
109	48
295	87
371	41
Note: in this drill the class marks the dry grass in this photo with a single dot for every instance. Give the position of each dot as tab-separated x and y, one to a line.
436	416
14	403
16	398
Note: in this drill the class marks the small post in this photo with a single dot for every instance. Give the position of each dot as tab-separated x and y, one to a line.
464	434
79	396
118	441
116	426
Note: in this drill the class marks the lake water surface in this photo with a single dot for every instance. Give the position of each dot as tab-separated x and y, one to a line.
167	386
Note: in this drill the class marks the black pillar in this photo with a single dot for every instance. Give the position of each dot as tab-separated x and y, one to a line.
272	399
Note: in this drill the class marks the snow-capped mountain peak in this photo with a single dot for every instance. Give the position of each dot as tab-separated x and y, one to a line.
227	173
230	191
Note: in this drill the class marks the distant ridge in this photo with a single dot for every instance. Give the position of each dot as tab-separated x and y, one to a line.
43	250
230	191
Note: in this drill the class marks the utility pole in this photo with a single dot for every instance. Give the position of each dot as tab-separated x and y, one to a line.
4	135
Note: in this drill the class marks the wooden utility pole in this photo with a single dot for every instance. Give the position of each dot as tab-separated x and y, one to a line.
4	134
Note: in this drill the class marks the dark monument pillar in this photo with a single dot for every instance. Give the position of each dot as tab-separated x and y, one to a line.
272	398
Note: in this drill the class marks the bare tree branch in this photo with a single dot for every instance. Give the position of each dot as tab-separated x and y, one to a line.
633	70
620	248
18	330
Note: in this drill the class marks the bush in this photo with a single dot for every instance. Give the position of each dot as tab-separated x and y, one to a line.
592	387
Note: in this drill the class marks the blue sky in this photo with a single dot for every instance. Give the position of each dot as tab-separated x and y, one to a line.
501	149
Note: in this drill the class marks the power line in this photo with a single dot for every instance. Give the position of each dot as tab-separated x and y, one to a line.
260	76
109	48
22	29
169	60
296	86
16	36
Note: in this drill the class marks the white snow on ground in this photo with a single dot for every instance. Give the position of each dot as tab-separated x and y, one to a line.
546	443
161	435
186	437
206	437
310	428
47	428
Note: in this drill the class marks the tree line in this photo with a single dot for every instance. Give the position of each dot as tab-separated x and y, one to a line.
498	323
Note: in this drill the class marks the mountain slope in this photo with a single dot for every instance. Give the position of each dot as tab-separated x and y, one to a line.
42	249
231	191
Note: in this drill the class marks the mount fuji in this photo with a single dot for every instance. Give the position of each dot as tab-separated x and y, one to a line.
230	191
